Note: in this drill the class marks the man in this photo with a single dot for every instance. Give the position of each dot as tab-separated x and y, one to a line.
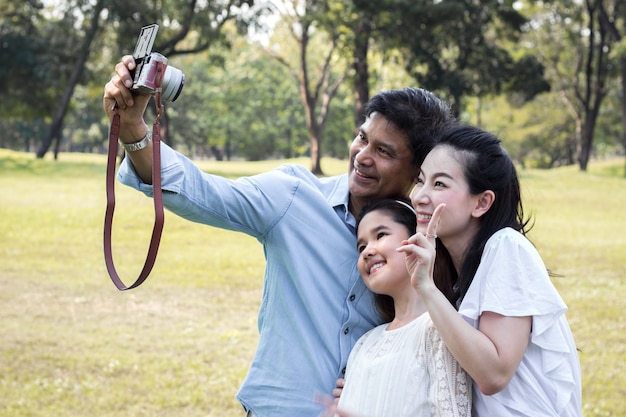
315	305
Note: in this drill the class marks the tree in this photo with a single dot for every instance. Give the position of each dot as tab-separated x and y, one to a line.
241	103
458	48
577	62
362	33
22	85
91	31
32	65
301	19
613	18
202	19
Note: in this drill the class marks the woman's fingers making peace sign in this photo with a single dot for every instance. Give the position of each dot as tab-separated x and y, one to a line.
419	250
433	224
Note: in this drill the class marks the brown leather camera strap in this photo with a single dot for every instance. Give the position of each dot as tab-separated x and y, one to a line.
159	216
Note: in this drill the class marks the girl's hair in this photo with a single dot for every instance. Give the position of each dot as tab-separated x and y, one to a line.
486	166
401	212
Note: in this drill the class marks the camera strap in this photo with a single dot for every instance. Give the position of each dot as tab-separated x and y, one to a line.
159	216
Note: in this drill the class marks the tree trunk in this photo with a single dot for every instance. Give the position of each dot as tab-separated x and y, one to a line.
361	78
586	141
609	22
595	74
313	128
316	154
54	134
622	65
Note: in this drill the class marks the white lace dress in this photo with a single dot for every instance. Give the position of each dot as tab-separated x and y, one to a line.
405	372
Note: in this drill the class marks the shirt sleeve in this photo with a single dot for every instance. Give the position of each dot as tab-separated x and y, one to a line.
450	391
252	205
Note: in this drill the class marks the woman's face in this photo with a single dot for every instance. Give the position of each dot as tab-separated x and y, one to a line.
441	180
382	268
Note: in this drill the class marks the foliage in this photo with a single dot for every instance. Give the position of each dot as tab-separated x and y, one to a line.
316	66
187	27
35	58
239	104
459	49
577	61
537	136
242	103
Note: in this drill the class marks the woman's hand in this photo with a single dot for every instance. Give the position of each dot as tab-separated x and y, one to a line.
420	251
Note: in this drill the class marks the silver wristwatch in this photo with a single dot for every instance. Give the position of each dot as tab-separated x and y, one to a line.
135	146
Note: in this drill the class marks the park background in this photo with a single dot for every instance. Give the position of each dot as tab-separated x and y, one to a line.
261	90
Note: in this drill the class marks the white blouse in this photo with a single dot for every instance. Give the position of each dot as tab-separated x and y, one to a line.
405	372
512	280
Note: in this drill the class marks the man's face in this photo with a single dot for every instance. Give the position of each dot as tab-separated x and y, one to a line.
380	162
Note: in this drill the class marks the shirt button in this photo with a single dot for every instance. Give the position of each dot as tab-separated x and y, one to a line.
352	297
346	330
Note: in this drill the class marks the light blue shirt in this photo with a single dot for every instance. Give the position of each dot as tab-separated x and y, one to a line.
315	305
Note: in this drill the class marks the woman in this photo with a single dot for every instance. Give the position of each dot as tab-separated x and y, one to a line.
510	332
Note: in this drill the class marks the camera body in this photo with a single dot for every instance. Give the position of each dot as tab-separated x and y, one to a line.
151	66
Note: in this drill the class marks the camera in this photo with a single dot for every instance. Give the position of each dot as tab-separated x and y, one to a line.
151	65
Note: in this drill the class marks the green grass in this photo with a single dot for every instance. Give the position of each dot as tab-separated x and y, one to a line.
179	345
580	231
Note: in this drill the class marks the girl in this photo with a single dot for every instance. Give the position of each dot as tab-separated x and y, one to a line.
510	332
401	368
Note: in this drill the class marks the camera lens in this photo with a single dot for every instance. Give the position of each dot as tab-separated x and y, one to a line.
172	85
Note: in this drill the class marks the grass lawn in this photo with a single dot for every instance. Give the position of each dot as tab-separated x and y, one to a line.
71	344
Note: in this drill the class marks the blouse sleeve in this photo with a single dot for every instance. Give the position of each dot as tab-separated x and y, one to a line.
513	281
450	391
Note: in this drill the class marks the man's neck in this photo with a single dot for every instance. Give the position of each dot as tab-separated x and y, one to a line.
355	205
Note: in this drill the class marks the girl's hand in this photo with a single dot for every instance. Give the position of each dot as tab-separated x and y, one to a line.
420	251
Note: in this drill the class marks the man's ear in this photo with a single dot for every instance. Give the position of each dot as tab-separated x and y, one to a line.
416	173
483	203
416	176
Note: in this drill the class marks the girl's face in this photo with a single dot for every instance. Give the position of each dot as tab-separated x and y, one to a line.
382	268
441	180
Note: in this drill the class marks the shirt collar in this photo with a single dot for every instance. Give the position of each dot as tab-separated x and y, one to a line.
339	198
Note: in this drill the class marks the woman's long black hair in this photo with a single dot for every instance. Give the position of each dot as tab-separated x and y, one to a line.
486	166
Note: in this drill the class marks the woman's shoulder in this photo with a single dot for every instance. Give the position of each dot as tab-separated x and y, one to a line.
507	234
511	241
511	279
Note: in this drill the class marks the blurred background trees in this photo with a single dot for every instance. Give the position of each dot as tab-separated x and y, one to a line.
288	78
